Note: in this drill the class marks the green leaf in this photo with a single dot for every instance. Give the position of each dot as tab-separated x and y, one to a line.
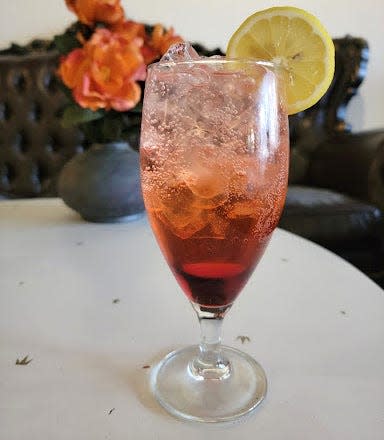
106	129
65	43
67	92
74	115
111	128
138	109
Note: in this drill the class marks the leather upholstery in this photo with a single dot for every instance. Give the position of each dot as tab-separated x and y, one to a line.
352	163
327	217
33	145
336	191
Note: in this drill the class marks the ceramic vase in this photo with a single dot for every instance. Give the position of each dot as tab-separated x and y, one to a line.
103	183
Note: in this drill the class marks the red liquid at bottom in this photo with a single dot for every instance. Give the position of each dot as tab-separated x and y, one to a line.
213	271
212	284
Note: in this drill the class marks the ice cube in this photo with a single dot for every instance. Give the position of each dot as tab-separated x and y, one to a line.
184	223
218	225
180	52
209	190
179	213
245	208
207	182
204	183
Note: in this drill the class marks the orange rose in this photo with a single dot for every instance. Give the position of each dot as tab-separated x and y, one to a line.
159	42
103	74
155	44
92	11
129	29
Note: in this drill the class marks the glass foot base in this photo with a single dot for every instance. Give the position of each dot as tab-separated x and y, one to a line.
208	400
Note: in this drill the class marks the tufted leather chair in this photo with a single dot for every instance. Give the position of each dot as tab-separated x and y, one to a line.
33	145
336	191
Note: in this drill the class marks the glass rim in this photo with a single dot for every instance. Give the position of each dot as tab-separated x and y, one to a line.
215	59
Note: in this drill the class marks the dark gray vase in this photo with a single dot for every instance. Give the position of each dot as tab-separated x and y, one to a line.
103	183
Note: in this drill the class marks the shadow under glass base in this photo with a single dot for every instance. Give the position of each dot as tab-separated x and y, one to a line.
208	400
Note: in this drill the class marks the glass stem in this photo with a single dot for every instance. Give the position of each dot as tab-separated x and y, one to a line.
210	362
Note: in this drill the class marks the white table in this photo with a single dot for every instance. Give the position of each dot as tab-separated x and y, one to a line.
93	304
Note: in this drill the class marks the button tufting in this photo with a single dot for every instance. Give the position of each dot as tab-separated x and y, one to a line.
5	111
35	112
21	142
50	82
41	171
8	173
43	174
79	149
19	81
52	144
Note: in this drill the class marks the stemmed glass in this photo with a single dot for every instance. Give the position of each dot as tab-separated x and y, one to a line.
214	166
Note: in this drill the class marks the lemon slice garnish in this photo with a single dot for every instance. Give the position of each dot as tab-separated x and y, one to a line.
298	43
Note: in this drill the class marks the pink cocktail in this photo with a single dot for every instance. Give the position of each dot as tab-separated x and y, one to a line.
214	166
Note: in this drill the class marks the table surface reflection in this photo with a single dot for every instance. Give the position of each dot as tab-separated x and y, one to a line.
94	306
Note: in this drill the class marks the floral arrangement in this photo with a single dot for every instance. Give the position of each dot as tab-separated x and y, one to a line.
103	68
